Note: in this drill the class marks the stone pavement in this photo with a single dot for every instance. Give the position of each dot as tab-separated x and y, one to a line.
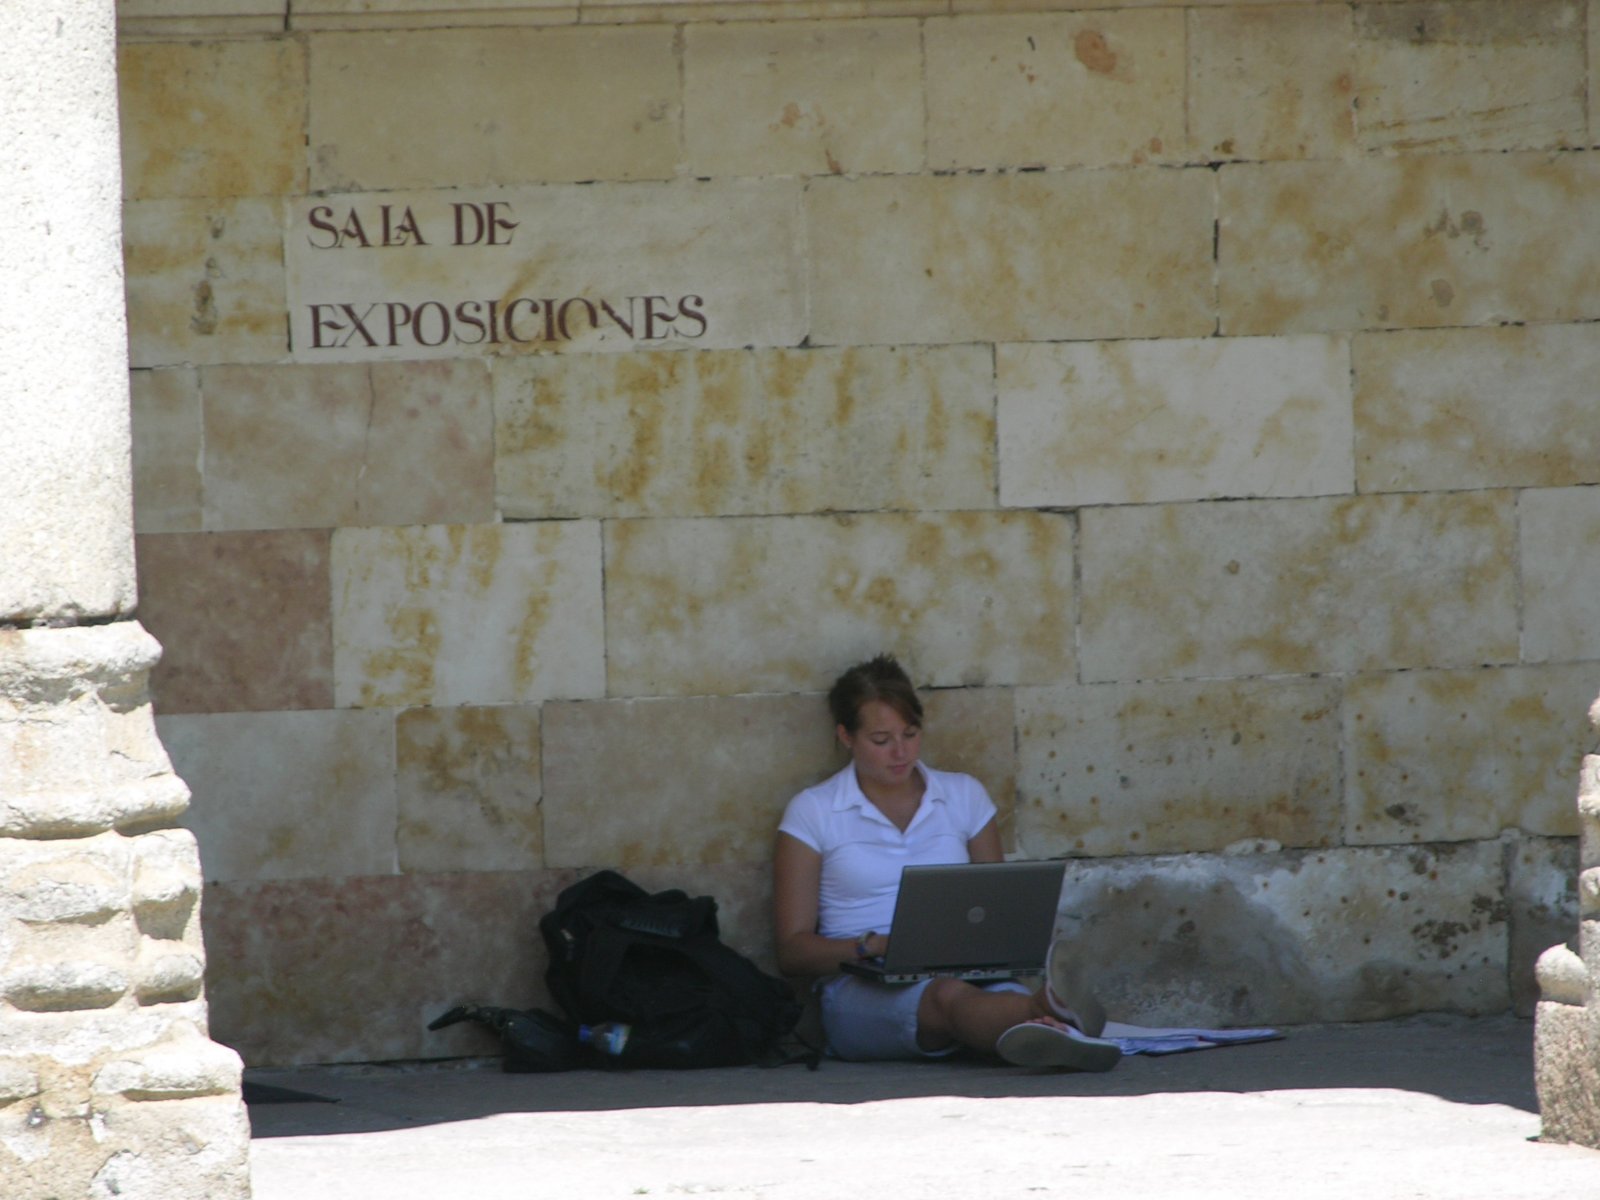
1430	1107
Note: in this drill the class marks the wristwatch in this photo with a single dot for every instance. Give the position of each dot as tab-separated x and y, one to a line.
861	944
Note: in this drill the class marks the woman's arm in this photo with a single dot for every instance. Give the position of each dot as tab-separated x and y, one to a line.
985	844
796	887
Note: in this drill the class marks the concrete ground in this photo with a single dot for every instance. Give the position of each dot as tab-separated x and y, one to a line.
1434	1107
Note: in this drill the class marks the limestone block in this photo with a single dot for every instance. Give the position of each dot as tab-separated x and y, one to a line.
1543	903
393	443
1589	893
502	105
807	98
288	795
1266	587
753	10
64	540
424	943
1173	767
212	118
973	730
194	1148
1293	937
1470	76
199	18
1119	75
78	881
686	781
744	432
468	789
181	1065
406	14
467	614
1142	422
204	281
1560	569
1566	1074
166	885
47	980
1593	25
162	974
507	271
1436	756
246	618
1029	257
723	607
1271	83
1458	408
1561	976
1425	241
80	1039
78	750
165	408
18	1081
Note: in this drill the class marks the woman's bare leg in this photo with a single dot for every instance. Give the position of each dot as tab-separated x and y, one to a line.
952	1011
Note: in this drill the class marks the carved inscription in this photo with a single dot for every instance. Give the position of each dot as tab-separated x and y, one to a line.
432	322
544	268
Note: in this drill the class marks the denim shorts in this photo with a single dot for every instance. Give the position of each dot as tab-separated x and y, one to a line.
864	1020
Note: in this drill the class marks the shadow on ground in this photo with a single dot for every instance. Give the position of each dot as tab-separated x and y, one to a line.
1465	1060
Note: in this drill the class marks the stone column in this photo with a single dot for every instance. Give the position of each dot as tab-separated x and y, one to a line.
1566	1039
109	1084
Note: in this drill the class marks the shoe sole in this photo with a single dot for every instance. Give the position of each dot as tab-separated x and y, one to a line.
1034	1045
1066	985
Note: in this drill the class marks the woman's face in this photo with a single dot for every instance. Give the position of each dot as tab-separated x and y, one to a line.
883	747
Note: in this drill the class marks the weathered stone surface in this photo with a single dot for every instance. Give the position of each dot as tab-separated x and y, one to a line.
1432	240
785	603
1470	76
467	614
196	18
1541	892
166	451
468	788
1560	570
405	14
1566	1074
1119	75
1271	83
288	795
1434	756
1457	408
690	780
429	274
420	941
373	128
1173	767
1327	935
803	99
1141	422
1030	257
1297	586
246	618
742	432
395	443
204	281
213	118
78	752
973	730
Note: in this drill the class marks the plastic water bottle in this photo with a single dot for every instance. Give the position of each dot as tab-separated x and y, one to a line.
608	1037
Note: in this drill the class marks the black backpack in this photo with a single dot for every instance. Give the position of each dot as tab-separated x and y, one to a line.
656	963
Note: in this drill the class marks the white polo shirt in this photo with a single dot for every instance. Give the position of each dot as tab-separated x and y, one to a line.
862	851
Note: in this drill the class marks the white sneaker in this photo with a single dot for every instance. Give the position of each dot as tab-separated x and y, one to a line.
1033	1044
1069	997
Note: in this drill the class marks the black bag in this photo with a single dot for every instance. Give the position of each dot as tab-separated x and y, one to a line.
530	1039
657	964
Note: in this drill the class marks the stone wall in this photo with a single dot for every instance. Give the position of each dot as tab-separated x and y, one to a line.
535	408
109	1084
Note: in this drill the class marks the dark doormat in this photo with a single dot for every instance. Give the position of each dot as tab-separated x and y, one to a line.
266	1093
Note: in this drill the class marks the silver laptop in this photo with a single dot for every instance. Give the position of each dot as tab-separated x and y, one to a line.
974	921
